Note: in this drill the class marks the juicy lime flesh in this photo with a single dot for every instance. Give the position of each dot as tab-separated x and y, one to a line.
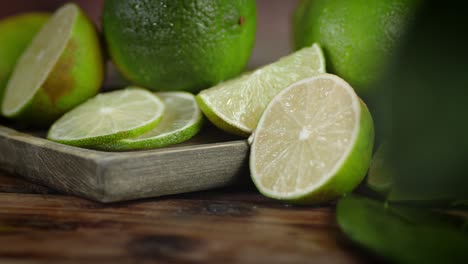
108	114
181	113
304	136
153	43
39	58
241	101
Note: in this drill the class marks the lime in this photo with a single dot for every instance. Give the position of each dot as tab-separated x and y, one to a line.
16	33
181	121
236	105
380	175
179	44
61	68
357	36
109	117
313	143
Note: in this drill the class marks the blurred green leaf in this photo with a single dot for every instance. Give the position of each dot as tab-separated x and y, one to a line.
404	234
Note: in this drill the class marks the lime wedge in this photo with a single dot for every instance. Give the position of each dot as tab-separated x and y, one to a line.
380	176
181	121
108	118
236	105
313	143
61	68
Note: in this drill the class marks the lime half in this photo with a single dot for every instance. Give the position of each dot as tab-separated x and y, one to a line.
236	105
61	68
16	32
108	118
313	143
181	121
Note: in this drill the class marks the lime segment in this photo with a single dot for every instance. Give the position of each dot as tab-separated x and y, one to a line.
108	118
181	121
236	105
313	142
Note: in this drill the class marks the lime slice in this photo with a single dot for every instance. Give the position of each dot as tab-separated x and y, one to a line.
109	117
61	68
313	143
181	121
236	105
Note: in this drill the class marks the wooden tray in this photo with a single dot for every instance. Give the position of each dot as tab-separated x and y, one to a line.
210	160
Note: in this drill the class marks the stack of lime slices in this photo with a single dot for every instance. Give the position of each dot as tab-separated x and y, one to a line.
129	119
182	120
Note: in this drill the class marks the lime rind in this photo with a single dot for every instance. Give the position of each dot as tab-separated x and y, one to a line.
176	126
109	108
346	173
236	105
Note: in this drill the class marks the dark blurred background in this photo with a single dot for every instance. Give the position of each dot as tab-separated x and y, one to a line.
273	32
7	8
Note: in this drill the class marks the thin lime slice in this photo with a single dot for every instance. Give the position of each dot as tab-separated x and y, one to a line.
61	68
313	143
181	121
108	118
236	105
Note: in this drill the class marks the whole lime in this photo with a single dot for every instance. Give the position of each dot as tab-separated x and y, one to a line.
16	32
358	36
179	44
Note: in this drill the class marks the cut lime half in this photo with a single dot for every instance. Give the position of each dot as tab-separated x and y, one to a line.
61	68
108	118
181	121
313	143
16	32
236	105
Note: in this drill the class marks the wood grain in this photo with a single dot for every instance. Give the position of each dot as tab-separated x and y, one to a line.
235	225
210	160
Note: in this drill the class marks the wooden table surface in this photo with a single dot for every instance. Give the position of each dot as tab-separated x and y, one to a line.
234	225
